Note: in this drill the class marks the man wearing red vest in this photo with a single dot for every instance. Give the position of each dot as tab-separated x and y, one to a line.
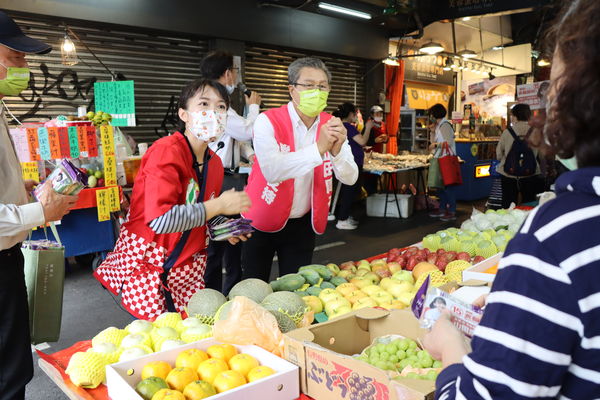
298	148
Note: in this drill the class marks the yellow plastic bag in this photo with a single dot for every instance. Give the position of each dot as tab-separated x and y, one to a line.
249	323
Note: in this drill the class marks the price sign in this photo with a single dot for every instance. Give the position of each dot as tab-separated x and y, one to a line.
107	138
73	142
44	144
19	138
113	198
118	99
30	171
110	170
83	142
92	141
54	142
103	204
63	139
32	144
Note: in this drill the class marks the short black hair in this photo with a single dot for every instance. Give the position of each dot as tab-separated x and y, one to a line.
521	111
215	63
344	110
194	87
438	111
437	300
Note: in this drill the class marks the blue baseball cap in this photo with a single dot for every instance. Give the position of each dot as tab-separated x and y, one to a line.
13	37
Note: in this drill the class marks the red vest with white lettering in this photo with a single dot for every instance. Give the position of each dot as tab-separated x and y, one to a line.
272	202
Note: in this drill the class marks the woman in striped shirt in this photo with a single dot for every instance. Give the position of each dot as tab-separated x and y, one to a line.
540	333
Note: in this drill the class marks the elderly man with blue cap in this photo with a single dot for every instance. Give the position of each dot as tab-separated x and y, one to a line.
17	216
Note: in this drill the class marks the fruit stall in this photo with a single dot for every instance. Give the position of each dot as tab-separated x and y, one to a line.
351	330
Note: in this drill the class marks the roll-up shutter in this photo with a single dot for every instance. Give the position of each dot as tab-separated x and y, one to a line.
160	64
265	71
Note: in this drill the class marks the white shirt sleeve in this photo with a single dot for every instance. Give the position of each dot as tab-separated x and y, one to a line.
238	127
344	166
278	166
246	150
16	219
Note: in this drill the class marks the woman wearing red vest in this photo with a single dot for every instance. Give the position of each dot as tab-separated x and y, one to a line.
298	148
154	266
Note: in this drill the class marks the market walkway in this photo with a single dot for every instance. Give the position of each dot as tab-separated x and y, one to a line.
88	308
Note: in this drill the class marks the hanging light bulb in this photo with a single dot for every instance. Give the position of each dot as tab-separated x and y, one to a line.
68	51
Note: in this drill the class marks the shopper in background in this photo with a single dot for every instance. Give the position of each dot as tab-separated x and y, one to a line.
378	137
512	186
443	133
539	335
298	147
347	113
17	217
176	190
236	139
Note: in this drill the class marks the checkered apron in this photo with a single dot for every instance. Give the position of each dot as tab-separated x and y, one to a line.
133	269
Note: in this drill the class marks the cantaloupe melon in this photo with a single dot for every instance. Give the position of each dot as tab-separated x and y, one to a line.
223	311
254	289
204	305
284	322
287	303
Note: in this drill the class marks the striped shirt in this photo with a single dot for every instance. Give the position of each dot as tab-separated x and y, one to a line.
180	218
540	333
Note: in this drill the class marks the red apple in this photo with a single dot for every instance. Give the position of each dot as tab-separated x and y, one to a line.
440	251
394	267
347	265
410	264
395	250
383	273
422	254
463	255
402	260
427	251
432	258
441	264
100	182
478	259
450	256
412	250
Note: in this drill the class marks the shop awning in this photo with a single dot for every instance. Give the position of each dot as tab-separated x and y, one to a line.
421	96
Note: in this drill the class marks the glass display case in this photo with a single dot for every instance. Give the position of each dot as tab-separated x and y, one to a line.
413	134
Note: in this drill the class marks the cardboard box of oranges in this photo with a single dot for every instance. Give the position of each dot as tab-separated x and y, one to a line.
205	369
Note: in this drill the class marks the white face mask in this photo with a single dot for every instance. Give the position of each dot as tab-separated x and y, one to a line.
207	124
378	119
230	88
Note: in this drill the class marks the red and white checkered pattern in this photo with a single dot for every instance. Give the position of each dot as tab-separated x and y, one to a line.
143	296
185	280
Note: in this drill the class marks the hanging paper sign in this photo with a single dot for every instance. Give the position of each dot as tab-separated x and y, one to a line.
63	139
54	143
30	171
19	138
92	141
73	142
118	99
83	142
103	205
33	144
110	170
107	138
44	143
113	199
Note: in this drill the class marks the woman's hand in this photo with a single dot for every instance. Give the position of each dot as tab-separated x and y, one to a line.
235	240
232	202
445	343
481	301
381	138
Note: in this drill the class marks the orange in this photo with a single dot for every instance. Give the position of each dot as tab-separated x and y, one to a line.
191	358
156	368
222	351
228	380
179	378
243	363
209	369
259	372
168	394
199	390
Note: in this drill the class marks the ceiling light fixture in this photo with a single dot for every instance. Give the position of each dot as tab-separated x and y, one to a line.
467	54
431	48
447	65
466	18
391	61
497	47
542	62
344	10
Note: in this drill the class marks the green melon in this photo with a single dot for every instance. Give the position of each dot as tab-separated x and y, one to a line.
450	243
204	305
287	303
486	249
254	289
284	322
468	246
431	242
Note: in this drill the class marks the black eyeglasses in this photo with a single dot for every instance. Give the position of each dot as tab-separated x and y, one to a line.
311	86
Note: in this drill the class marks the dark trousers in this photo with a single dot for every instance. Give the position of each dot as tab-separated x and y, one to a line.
223	254
16	363
528	187
294	246
348	194
447	197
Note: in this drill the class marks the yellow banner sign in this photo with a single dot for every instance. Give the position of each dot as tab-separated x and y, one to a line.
30	171
103	204
423	96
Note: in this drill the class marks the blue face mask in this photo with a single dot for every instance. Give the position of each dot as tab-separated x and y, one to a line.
570	163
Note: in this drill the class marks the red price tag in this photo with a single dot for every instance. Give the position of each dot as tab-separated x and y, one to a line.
63	138
83	142
92	141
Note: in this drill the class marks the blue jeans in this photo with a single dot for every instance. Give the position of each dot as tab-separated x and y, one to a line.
448	199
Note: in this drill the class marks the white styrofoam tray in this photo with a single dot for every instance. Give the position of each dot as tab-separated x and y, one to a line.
122	377
476	271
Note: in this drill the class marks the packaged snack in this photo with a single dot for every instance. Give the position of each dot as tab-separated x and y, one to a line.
222	228
65	179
